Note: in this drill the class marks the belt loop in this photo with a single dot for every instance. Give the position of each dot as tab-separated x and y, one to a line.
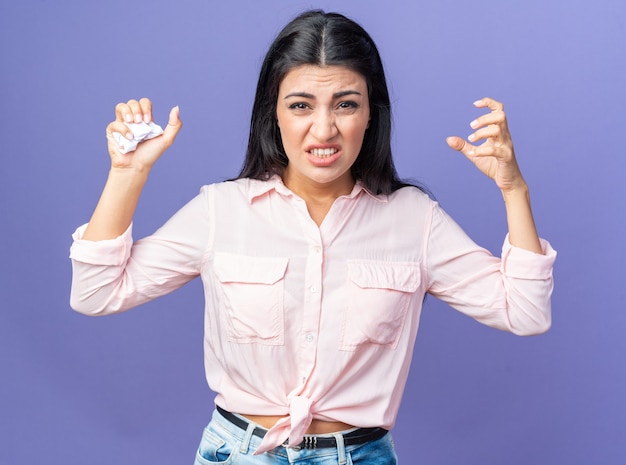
341	449
246	438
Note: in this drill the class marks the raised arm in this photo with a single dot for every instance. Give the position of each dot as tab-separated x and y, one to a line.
129	172
495	157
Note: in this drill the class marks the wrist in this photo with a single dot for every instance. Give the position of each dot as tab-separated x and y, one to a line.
129	175
520	190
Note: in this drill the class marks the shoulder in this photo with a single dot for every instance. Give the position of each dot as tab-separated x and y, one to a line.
411	196
229	186
407	207
243	189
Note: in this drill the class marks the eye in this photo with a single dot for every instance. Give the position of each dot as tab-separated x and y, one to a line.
348	105
298	106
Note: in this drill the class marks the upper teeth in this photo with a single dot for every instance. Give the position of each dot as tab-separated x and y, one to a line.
323	152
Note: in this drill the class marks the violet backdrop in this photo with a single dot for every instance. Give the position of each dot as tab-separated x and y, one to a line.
130	388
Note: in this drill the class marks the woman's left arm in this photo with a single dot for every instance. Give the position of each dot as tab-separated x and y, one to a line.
495	157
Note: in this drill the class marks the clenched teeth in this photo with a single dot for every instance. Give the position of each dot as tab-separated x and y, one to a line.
323	152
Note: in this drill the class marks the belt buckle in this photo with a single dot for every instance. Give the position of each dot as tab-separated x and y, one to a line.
308	442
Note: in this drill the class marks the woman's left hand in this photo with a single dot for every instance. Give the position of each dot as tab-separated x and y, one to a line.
495	157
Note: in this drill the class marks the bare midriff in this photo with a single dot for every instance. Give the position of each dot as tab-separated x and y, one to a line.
317	426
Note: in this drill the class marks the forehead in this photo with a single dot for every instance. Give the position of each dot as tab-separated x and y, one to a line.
319	79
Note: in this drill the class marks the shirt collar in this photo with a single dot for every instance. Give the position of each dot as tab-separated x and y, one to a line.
258	188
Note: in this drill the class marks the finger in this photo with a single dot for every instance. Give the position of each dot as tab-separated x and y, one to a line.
493	131
174	124
135	110
119	126
123	113
497	150
495	117
146	109
490	103
460	145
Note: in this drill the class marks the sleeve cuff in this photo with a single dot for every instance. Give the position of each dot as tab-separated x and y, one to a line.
110	252
524	264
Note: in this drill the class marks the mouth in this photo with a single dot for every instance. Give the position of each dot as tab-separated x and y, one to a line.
323	153
323	156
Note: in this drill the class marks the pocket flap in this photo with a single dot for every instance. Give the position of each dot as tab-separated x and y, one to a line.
403	277
231	268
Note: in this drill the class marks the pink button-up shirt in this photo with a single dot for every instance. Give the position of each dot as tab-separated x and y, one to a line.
306	321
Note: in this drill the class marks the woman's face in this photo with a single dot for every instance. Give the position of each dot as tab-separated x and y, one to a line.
322	114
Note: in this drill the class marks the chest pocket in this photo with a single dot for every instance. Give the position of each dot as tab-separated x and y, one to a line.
378	298
252	294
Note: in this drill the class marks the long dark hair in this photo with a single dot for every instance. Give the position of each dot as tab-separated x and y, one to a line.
323	39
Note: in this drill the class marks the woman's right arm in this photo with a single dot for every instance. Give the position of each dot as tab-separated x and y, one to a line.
129	172
111	272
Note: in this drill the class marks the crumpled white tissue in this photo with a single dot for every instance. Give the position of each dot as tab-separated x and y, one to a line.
141	131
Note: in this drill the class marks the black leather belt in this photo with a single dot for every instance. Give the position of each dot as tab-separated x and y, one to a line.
353	438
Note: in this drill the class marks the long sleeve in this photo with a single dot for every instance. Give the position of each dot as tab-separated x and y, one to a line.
511	293
111	276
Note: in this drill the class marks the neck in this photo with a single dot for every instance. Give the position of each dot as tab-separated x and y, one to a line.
319	197
310	190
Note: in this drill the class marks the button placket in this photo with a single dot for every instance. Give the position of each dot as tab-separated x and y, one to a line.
312	307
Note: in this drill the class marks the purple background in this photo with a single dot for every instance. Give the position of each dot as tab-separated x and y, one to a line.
130	389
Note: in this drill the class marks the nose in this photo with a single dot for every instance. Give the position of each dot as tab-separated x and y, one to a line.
323	126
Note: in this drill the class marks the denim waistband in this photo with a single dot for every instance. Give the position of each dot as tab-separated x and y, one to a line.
247	442
351	437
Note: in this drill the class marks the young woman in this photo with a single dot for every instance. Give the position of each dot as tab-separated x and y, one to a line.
316	259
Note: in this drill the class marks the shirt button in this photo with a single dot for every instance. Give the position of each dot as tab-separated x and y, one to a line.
317	249
309	338
313	289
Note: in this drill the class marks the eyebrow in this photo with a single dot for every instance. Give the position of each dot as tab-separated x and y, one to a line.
336	95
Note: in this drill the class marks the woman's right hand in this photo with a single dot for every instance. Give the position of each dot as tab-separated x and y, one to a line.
148	151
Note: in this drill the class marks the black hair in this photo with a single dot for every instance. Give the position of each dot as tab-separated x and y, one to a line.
323	39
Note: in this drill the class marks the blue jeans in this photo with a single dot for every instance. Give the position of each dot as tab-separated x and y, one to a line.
224	443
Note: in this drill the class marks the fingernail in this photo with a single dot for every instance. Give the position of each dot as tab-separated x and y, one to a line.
471	137
128	118
146	118
478	102
129	135
138	118
471	152
474	124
